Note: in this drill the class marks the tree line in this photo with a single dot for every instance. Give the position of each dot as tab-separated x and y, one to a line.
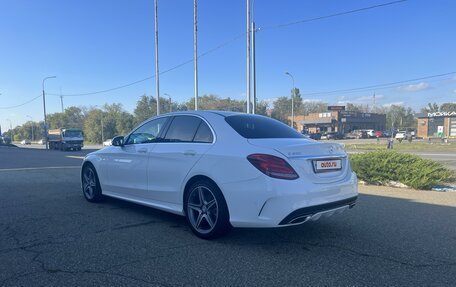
109	120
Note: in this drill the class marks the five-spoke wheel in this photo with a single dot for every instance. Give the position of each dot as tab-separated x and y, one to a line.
90	184
206	210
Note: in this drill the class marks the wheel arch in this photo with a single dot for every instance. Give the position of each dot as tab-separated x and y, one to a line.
194	179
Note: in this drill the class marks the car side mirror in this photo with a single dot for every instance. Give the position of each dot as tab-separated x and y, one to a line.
118	141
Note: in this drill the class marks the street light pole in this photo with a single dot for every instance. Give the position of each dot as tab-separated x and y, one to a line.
44	108
32	126
249	100
292	99
157	74
195	50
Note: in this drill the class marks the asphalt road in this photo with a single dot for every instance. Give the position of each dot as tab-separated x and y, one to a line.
50	236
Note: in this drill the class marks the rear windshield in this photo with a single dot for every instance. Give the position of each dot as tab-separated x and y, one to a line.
260	127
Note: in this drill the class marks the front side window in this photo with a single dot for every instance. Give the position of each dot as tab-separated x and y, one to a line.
147	133
182	129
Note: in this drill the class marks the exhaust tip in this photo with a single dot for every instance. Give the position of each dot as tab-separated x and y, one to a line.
300	219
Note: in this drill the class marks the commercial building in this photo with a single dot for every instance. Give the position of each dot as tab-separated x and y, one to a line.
439	124
339	120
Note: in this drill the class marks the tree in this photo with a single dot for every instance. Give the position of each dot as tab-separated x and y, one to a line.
400	117
314	107
448	107
92	126
357	108
282	106
431	108
146	107
282	109
74	117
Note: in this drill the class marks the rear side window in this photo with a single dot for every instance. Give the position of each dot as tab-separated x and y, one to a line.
204	134
260	127
182	129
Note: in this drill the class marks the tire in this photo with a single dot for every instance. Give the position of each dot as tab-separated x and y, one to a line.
90	184
206	210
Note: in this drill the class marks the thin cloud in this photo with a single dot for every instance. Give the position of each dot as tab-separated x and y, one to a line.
312	100
369	98
393	104
415	87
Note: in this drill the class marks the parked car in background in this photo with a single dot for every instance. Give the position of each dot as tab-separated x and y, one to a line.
370	133
26	142
314	136
41	141
333	136
379	134
222	170
107	142
402	135
356	134
387	134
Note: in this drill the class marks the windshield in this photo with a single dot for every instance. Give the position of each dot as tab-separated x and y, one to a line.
73	134
260	127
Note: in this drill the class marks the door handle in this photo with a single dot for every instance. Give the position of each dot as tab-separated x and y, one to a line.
142	150
190	152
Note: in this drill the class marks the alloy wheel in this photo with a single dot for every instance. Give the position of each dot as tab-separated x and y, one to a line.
203	210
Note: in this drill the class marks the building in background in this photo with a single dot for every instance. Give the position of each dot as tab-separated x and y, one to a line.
336	119
439	124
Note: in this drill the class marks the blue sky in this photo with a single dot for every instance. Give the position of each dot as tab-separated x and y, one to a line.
101	44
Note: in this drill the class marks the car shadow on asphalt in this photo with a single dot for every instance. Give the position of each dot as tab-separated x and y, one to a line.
374	220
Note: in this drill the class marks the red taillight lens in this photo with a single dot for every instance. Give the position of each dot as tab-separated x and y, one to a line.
272	166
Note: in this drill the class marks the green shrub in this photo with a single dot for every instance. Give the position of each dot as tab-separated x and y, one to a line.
414	171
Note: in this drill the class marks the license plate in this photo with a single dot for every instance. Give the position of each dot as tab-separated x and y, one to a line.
327	165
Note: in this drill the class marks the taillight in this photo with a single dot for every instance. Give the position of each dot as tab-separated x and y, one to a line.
272	166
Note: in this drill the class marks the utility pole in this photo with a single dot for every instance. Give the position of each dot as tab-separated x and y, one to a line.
44	109
195	50
61	99
253	68
292	99
248	57
157	80
373	106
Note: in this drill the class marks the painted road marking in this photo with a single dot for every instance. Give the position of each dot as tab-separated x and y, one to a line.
39	168
75	156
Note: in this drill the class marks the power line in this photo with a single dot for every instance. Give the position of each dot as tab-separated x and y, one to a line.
331	15
385	85
151	77
20	105
229	42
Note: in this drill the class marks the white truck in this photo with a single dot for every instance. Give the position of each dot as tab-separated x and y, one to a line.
66	139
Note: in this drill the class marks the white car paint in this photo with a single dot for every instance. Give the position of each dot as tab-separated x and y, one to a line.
156	174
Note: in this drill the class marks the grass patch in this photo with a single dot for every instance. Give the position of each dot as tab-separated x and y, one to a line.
384	166
404	146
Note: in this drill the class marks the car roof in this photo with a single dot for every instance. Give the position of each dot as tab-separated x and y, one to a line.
205	112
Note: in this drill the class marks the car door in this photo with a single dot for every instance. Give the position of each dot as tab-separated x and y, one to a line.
186	140
128	164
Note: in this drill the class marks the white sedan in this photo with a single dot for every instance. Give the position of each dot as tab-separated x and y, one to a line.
107	142
223	170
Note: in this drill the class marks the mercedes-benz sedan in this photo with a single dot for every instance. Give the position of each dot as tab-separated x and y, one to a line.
223	170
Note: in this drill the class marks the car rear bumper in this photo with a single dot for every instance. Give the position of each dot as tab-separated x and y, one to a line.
314	212
267	203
